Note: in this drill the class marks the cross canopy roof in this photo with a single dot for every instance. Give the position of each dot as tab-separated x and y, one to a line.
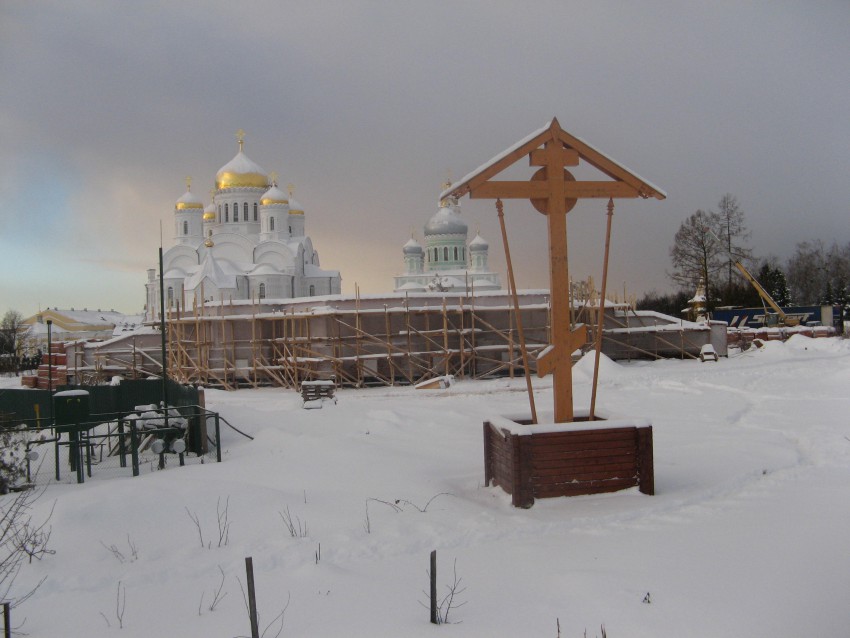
624	182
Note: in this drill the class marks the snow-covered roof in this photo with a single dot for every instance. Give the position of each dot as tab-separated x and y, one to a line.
264	269
311	270
587	151
212	270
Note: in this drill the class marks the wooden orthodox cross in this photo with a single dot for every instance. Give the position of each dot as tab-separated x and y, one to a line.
554	192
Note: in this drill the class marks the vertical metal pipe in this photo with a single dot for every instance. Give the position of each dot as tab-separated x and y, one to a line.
134	447
217	439
162	330
252	597
433	575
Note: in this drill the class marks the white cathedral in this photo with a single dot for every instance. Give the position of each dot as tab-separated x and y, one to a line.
447	263
249	243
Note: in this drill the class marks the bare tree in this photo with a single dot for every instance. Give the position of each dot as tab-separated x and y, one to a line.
14	331
697	252
807	272
819	275
21	540
733	233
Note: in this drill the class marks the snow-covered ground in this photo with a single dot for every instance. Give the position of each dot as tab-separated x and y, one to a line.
747	534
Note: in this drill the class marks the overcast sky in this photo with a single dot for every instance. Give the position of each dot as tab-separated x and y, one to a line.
367	107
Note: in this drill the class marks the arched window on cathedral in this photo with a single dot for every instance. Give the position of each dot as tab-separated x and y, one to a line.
271	223
255	211
312	291
436	255
185	227
455	253
226	213
262	292
245	212
219	213
445	253
170	296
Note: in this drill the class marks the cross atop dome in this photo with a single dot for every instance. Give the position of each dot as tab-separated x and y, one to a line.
240	137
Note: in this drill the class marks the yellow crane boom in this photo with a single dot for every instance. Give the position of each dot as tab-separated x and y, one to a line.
783	318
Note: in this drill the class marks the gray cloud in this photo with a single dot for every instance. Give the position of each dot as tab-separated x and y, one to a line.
366	106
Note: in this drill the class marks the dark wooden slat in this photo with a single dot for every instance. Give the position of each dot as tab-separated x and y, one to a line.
595	461
559	453
585	474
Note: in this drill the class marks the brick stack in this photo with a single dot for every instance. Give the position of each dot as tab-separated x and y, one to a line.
54	363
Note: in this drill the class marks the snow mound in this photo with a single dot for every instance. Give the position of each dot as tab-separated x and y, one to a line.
609	370
800	342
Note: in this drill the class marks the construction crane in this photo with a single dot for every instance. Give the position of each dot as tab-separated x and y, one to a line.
778	318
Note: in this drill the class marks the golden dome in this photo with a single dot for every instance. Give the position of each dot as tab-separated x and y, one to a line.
274	196
209	216
188	202
241	172
295	207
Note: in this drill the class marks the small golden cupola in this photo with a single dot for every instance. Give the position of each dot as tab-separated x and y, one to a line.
241	172
295	207
189	200
274	195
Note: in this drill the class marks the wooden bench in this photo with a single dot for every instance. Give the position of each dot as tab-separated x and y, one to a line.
317	391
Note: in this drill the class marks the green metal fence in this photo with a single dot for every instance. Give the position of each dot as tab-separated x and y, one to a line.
123	431
113	444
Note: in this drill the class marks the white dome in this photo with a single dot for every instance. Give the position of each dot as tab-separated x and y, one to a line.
446	221
295	207
479	243
412	247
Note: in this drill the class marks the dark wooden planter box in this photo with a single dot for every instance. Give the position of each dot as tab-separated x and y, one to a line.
567	460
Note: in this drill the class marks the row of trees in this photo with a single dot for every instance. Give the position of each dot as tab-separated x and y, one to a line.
709	243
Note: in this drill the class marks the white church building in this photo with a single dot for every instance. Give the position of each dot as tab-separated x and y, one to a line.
447	262
249	243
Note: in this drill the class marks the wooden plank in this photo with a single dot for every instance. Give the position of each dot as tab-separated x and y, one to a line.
582	442
554	157
585	474
540	190
646	468
566	464
525	485
578	489
546	454
588	445
586	434
510	190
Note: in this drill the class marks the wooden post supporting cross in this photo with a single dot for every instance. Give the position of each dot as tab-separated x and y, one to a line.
554	192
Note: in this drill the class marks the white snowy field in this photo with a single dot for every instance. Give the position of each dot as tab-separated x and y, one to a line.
747	534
